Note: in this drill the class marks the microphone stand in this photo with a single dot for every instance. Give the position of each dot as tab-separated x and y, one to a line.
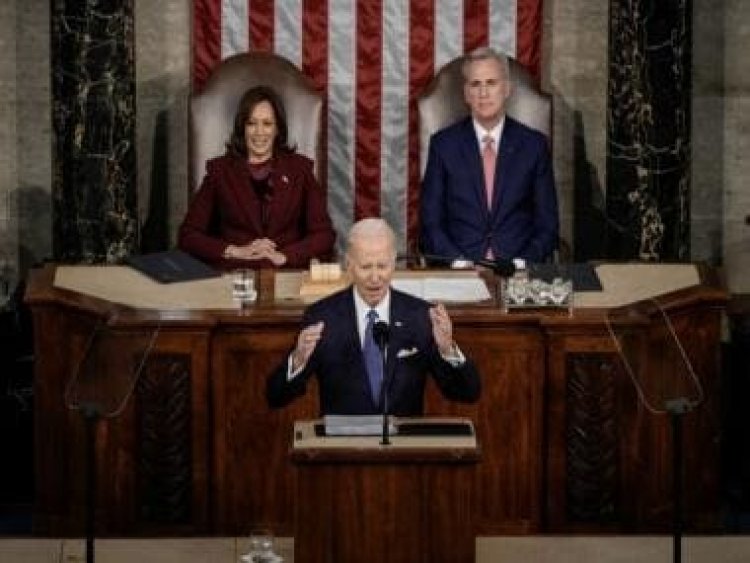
381	334
385	440
677	408
91	414
84	393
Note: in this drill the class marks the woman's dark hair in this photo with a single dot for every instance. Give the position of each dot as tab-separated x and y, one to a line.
250	99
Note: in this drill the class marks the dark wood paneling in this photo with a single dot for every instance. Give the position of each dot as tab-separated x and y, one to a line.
402	512
508	419
254	482
549	380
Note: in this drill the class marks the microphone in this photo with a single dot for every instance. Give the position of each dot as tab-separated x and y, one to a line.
502	267
381	332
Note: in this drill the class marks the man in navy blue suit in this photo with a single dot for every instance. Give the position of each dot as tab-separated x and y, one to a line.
488	189
332	345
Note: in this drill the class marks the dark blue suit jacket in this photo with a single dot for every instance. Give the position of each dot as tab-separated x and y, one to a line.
339	366
456	222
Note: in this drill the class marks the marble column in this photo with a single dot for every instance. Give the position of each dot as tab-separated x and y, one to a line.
94	183
648	129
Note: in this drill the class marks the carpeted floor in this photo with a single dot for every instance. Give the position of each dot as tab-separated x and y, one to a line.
525	549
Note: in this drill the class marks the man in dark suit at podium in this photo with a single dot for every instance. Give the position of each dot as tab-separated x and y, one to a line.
338	341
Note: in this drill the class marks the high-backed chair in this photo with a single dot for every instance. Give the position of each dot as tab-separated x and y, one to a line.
442	103
212	111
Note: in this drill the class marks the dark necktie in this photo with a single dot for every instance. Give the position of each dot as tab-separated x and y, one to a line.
373	357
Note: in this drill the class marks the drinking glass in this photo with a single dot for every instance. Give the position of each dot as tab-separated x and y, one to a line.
261	548
243	286
561	291
516	291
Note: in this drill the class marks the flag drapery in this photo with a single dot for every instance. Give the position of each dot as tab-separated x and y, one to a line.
370	60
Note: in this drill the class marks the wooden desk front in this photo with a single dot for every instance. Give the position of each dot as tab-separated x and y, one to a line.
566	444
360	501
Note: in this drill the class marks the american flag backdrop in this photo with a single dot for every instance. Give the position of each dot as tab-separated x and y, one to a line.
370	59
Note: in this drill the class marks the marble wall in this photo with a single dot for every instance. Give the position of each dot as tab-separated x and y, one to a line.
25	136
95	215
707	208
735	156
575	48
648	130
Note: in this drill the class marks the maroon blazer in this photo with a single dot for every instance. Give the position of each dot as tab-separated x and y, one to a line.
226	210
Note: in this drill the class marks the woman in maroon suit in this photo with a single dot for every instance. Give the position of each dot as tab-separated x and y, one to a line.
259	205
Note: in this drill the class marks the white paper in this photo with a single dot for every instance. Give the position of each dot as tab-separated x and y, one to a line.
355	425
450	289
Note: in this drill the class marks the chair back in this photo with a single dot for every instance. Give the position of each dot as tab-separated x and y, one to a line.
442	103
212	110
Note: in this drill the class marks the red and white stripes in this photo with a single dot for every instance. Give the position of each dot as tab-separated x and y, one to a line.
370	59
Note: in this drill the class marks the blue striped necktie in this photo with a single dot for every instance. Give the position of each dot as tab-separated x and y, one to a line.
373	357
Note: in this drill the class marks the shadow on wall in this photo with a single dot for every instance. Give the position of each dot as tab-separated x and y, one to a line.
16	415
34	205
589	211
162	160
736	417
155	230
709	124
16	373
589	228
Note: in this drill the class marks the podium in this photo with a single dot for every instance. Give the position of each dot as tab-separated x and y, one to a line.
408	502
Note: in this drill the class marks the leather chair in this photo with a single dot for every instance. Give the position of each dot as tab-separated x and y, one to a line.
212	111
442	103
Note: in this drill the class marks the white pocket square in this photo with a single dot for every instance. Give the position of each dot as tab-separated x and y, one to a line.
406	352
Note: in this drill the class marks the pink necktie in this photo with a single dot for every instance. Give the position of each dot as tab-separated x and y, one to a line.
489	158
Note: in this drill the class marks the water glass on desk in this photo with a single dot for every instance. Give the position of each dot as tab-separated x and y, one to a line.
243	286
261	549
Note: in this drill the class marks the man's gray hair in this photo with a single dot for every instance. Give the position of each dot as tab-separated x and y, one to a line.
483	54
371	227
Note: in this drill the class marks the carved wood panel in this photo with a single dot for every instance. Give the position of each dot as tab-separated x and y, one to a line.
592	440
164	441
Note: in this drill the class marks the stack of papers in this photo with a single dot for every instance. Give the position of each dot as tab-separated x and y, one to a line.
449	288
355	425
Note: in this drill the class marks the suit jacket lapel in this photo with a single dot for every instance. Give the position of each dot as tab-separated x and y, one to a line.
400	337
508	144
278	206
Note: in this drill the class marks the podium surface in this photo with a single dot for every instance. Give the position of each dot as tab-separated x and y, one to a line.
411	439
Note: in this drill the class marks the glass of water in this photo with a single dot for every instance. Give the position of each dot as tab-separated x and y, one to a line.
261	548
243	286
561	291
